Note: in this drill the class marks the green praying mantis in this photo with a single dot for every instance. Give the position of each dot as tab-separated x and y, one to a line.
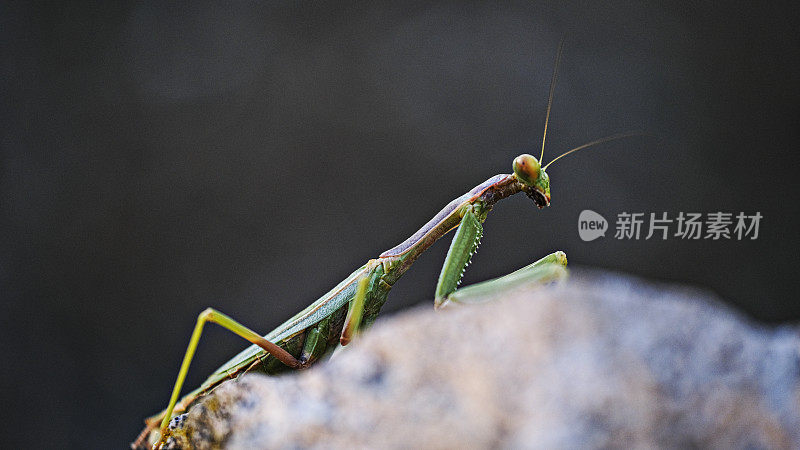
354	304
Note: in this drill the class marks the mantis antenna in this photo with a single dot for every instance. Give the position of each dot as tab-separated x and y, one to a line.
613	137
552	91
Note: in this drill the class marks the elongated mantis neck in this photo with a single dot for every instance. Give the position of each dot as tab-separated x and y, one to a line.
484	195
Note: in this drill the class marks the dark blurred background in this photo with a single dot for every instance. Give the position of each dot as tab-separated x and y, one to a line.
159	159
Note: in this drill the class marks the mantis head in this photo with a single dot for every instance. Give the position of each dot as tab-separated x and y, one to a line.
536	184
529	171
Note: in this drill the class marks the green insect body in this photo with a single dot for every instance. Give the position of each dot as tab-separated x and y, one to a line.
355	303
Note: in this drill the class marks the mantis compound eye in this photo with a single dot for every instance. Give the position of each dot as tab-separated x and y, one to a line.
526	168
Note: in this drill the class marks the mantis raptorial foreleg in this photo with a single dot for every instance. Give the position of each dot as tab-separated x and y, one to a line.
464	245
550	268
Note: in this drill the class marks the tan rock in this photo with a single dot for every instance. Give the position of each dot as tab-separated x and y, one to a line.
598	361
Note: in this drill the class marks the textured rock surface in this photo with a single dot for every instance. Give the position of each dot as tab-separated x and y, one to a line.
599	361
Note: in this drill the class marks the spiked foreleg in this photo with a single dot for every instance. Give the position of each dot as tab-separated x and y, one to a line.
550	268
464	245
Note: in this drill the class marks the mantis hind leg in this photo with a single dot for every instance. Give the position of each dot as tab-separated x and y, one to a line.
214	316
464	245
314	346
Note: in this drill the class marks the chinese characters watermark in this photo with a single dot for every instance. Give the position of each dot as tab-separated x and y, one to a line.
713	226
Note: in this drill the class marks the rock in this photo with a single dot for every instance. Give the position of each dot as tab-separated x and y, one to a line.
598	361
